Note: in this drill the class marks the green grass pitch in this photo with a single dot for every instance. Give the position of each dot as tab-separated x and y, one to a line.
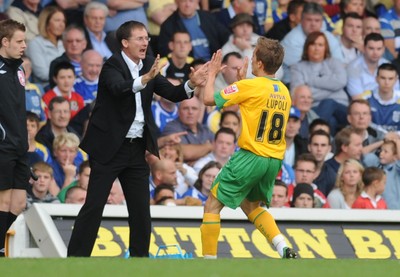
198	267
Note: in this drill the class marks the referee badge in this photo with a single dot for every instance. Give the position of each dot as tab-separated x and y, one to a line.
21	77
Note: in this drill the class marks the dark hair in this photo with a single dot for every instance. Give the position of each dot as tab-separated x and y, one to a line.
351	15
225	130
231	54
318	121
64	65
8	28
178	32
306	157
84	164
319	132
386	66
224	114
280	183
199	183
373	37
372	174
300	189
310	40
57	100
30	116
125	30
197	62
161	187
294	5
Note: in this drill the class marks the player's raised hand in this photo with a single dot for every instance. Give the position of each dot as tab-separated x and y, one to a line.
242	71
215	65
198	76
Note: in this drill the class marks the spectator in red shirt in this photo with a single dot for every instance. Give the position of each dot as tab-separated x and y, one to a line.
64	78
374	180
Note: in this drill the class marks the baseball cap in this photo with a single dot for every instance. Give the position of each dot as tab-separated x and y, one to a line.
294	112
240	19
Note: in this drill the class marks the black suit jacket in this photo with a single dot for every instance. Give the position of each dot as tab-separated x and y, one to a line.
115	108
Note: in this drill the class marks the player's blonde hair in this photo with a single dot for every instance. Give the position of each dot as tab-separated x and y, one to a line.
270	52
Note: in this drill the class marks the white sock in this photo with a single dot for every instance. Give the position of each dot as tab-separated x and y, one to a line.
279	243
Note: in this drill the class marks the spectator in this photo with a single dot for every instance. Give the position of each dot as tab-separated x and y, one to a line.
226	15
295	145
39	192
177	63
73	9
326	77
389	24
303	196
26	12
305	172
359	117
293	42
74	42
346	7
197	142
283	27
57	124
81	181
94	19
48	45
64	78
116	196
243	38
279	195
348	185
385	100
157	12
374	180
319	124
230	119
186	175
362	71
206	33
348	145
33	125
164	194
223	147
389	160
202	186
232	62
164	172
164	111
33	93
86	84
371	25
75	195
122	11
302	99
65	149
278	14
351	39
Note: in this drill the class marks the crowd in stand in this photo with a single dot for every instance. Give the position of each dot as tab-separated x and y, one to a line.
341	65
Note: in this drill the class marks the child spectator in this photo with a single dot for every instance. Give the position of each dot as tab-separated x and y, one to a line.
64	77
82	181
303	196
389	160
374	180
36	148
39	192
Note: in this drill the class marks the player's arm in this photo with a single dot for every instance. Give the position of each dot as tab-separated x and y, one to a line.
214	67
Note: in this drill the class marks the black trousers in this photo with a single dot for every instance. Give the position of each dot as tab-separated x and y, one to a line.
130	167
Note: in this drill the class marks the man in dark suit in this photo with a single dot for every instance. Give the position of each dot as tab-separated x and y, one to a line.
120	130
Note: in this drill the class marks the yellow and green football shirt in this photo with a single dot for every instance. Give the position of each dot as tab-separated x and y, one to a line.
264	107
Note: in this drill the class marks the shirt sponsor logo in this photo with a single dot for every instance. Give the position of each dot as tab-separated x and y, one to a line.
231	89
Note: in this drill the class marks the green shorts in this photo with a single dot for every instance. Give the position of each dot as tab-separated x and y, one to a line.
246	176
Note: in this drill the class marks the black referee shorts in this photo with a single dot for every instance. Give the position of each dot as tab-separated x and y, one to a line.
14	171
